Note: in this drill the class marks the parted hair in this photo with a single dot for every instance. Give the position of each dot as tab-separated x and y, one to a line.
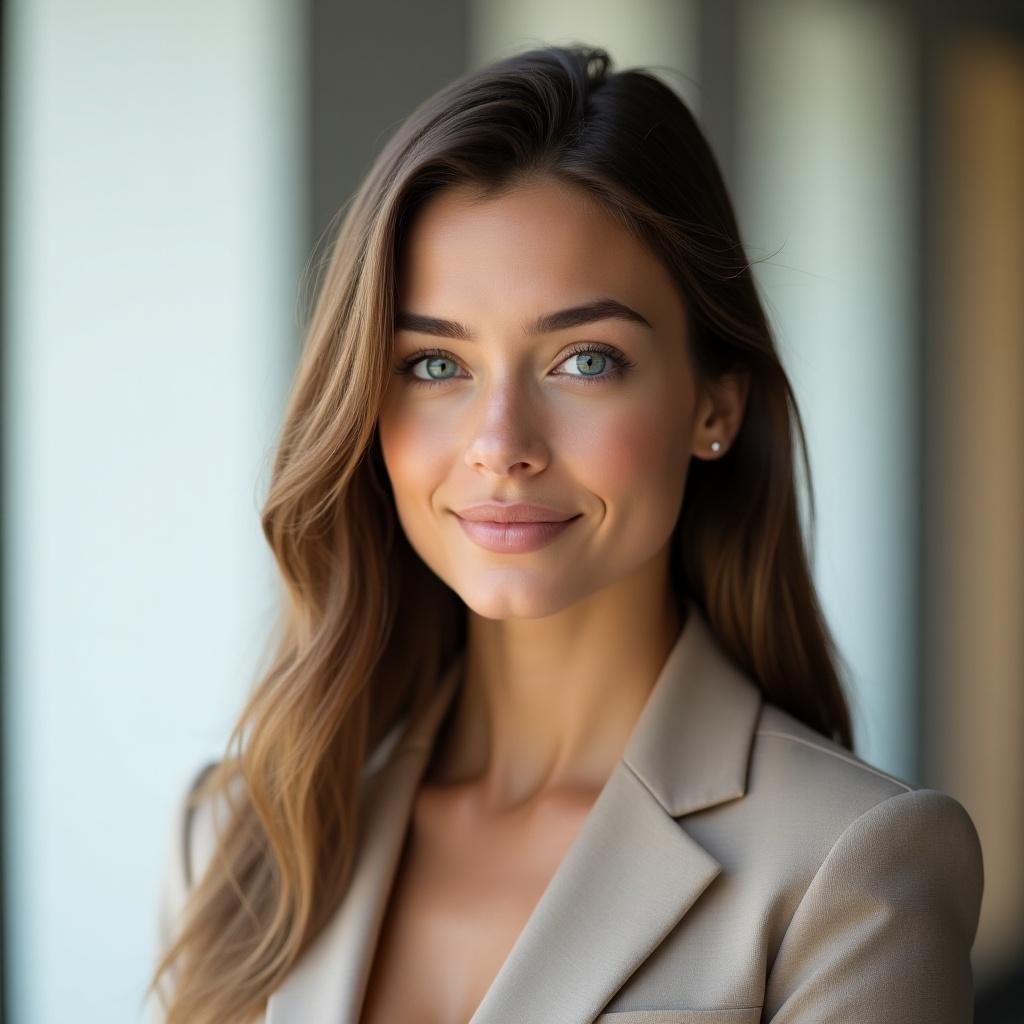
365	628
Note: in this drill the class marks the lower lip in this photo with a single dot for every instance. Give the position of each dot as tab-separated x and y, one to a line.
513	538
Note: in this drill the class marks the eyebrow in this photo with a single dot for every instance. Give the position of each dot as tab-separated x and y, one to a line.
575	316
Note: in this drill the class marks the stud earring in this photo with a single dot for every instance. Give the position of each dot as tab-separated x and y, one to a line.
716	446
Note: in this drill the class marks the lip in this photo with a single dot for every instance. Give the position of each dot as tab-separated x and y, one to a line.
515	528
512	512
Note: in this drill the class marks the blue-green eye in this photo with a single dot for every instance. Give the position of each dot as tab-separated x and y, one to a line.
588	362
594	362
437	368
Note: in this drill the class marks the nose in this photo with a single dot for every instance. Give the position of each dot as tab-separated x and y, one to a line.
504	435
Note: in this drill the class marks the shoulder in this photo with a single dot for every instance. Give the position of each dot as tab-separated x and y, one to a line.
195	821
787	753
201	813
190	839
832	822
815	820
883	879
206	814
809	781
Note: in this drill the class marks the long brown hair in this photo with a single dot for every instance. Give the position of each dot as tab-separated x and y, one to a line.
340	675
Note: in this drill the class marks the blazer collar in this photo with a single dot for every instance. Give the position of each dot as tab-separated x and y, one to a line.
630	875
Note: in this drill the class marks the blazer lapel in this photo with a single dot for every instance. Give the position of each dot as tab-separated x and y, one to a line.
633	871
630	875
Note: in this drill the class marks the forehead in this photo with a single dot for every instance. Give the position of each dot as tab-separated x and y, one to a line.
538	247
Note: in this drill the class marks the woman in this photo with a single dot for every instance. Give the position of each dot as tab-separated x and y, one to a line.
554	730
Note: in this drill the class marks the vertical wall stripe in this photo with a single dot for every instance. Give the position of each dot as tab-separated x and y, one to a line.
975	518
824	171
152	254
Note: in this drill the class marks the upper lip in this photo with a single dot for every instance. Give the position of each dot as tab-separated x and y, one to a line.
513	512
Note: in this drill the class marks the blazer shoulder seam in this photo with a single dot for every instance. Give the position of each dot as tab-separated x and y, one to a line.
838	756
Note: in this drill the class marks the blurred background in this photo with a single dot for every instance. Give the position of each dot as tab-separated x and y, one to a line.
169	170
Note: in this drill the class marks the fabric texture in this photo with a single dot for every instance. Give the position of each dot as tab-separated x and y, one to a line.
736	867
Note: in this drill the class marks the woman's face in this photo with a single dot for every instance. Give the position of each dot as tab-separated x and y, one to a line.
593	416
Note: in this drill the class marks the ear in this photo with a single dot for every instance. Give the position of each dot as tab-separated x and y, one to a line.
719	416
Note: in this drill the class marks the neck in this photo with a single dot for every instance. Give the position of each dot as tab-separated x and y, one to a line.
547	706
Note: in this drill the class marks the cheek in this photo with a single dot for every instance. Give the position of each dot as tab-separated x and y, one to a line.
638	454
416	455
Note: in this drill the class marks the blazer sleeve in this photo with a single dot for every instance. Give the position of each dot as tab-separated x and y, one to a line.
884	930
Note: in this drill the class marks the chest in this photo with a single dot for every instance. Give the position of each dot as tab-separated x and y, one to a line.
462	894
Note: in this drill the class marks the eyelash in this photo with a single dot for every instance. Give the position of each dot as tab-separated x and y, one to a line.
619	361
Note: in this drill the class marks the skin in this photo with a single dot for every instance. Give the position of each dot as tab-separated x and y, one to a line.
564	643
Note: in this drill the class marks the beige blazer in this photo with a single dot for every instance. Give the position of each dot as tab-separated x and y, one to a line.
736	867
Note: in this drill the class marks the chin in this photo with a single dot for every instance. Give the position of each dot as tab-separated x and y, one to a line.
505	599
